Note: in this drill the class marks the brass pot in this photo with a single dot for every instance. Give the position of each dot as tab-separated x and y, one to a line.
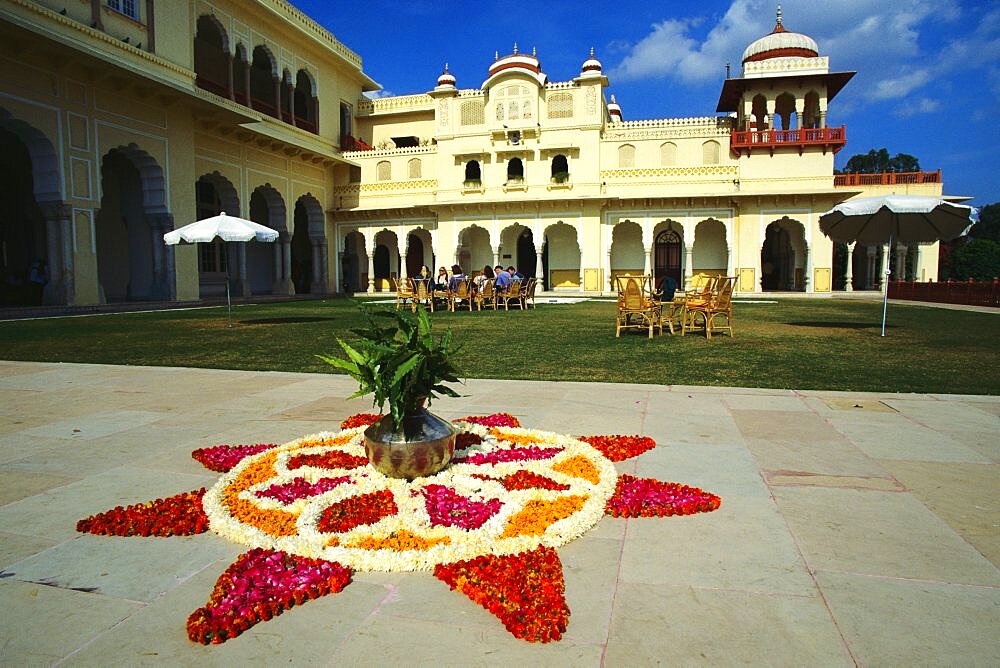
423	445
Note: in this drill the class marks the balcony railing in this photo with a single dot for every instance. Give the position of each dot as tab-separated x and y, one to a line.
886	179
349	143
750	140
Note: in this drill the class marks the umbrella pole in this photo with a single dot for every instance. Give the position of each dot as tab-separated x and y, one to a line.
885	295
229	302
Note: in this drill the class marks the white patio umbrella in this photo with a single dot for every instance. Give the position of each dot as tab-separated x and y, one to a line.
896	218
227	228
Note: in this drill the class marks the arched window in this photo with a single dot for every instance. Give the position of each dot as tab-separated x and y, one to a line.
710	153
413	168
383	170
560	169
626	155
210	57
263	91
473	175
515	170
306	102
668	154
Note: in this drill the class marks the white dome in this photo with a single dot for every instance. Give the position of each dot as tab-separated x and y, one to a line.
781	44
592	64
446	78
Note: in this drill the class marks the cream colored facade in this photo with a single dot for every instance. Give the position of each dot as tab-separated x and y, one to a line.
121	119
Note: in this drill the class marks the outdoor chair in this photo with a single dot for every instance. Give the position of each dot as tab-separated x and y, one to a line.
636	306
700	294
461	295
719	303
528	292
423	293
486	295
512	293
404	292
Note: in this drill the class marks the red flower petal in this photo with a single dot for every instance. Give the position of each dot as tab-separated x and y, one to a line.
360	420
221	458
494	420
648	497
179	515
333	459
355	511
618	448
259	585
525	591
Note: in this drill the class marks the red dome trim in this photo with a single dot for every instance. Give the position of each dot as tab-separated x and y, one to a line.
788	52
501	66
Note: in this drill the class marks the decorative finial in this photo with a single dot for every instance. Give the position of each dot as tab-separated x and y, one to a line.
591	52
496	56
533	52
613	99
779	14
515	48
446	68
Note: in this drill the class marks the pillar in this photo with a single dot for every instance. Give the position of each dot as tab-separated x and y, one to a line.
730	262
849	274
901	252
807	285
286	251
647	270
540	268
163	286
404	273
800	111
59	252
496	255
320	270
371	272
688	265
242	283
277	97
246	80
230	91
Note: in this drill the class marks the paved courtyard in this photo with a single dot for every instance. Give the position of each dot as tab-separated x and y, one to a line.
854	528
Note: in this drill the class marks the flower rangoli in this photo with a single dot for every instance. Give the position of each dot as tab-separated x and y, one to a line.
312	511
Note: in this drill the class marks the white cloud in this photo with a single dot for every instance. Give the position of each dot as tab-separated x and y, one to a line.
376	94
924	105
901	86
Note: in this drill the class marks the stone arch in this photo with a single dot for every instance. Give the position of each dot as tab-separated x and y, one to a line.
211	55
309	264
668	154
354	263
266	265
758	111
263	77
34	221
784	108
783	256
626	249
515	170
241	72
711	152
419	252
473	172
626	155
385	260
229	200
561	257
130	225
669	256
811	113
710	253
306	98
474	249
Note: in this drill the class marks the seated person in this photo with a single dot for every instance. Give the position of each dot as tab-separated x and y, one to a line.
457	276
667	289
481	278
502	278
424	273
514	273
441	283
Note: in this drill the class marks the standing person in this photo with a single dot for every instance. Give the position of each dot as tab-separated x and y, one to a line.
37	278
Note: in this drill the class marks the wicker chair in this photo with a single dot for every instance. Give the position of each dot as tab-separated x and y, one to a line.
423	293
512	293
636	307
719	303
404	292
699	295
461	295
486	295
528	292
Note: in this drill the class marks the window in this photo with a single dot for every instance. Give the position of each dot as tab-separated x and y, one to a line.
383	170
668	154
473	175
626	155
413	168
472	113
129	8
710	153
561	105
560	169
515	170
346	118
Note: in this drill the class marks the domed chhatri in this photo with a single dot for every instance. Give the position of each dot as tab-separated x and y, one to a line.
614	110
781	43
446	80
591	66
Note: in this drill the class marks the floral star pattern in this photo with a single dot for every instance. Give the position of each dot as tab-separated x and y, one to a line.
312	512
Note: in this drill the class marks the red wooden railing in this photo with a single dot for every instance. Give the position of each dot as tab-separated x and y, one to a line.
832	138
886	178
974	293
211	86
349	143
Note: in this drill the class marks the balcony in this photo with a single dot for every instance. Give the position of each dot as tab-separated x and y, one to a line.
832	139
886	179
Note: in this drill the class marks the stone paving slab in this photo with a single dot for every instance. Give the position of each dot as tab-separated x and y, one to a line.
855	528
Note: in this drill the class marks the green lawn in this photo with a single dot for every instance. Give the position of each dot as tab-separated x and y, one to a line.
801	344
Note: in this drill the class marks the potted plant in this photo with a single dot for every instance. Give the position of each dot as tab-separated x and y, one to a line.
402	364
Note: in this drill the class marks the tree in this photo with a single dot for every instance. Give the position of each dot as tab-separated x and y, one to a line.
988	226
979	259
876	162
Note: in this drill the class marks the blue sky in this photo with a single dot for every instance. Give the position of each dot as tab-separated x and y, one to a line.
927	83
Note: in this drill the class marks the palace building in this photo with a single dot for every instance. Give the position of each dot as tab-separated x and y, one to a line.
123	119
